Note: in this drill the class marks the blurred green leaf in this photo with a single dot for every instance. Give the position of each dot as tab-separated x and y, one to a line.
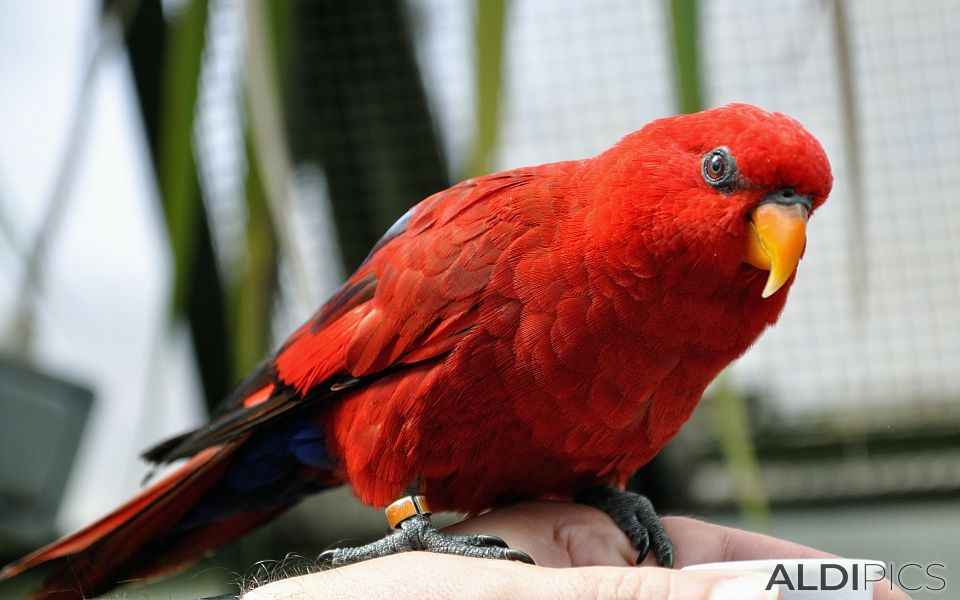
165	59
490	16
732	421
253	291
176	167
684	15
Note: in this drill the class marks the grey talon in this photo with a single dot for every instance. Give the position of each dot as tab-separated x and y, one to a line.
519	556
643	545
492	540
666	560
636	517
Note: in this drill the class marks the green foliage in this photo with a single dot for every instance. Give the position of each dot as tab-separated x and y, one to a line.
176	167
488	40
253	291
686	34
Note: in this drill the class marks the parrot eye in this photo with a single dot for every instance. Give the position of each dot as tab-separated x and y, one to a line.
718	167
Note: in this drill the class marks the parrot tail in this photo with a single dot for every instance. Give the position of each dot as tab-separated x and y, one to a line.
145	537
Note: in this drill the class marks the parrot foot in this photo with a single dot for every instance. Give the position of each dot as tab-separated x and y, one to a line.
635	515
419	533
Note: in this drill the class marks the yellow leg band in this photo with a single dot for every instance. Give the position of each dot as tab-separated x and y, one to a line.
406	507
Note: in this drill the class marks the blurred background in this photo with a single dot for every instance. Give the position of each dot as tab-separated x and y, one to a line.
182	182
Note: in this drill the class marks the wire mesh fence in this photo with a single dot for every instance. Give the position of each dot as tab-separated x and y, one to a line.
869	340
870	336
578	77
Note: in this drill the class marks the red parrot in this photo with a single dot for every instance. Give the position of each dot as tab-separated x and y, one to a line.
536	333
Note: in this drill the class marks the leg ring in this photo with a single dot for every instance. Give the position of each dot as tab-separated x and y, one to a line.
406	507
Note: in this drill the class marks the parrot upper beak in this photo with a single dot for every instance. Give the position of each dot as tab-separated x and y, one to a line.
778	228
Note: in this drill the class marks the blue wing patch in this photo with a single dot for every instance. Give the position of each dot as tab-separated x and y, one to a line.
264	473
395	231
265	457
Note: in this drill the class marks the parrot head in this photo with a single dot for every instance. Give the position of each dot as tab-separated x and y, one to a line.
727	190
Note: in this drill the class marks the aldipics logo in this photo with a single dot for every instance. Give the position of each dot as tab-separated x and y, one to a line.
812	576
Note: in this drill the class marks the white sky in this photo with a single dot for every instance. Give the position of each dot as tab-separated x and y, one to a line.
106	281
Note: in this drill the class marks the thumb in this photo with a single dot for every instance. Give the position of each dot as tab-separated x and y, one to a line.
428	575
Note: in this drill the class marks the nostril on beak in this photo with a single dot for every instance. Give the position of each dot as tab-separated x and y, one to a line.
788	196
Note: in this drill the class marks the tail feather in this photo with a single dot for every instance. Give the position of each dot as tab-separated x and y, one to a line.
181	551
177	552
99	556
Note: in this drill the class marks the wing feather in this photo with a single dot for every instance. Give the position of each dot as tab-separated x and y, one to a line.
412	300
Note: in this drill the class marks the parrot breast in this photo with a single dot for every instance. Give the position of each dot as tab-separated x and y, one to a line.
574	373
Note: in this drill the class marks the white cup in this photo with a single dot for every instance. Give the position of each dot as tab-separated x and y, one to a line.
811	578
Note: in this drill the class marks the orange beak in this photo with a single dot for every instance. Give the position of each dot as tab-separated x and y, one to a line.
778	234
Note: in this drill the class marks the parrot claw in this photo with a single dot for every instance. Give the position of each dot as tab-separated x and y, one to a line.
635	515
419	533
519	556
491	540
643	545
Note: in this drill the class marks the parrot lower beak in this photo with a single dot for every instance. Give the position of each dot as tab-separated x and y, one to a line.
778	234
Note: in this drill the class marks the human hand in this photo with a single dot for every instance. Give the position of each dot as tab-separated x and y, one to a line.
560	534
